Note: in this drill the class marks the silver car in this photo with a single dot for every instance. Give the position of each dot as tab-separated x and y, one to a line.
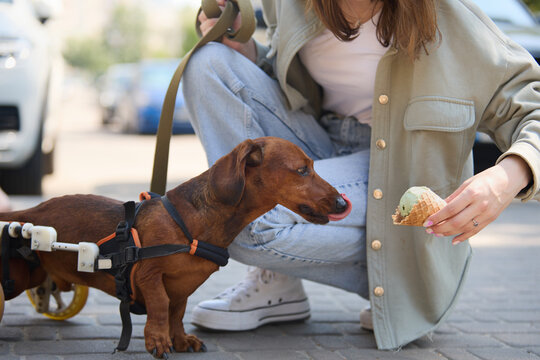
27	63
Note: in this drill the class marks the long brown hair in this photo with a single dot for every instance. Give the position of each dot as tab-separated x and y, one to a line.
406	24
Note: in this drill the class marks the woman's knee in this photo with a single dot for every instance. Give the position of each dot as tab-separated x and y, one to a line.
213	60
283	236
206	58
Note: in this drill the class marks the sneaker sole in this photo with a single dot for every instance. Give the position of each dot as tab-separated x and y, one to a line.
250	319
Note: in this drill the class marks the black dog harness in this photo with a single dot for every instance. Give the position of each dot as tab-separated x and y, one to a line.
119	252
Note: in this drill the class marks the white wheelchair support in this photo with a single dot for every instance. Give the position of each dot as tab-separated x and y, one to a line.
43	238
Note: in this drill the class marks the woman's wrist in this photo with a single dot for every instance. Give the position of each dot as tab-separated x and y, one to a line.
248	49
517	170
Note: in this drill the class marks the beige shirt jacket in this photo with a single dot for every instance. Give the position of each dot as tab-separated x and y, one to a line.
425	116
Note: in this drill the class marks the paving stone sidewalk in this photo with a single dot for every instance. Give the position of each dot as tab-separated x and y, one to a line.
498	315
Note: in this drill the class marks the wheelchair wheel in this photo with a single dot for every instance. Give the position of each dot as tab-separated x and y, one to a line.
68	303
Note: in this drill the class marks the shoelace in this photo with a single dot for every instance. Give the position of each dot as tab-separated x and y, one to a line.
244	288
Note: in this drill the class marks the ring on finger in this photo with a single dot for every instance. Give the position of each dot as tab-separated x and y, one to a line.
475	223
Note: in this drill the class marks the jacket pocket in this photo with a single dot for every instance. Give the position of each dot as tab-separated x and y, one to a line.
439	113
441	134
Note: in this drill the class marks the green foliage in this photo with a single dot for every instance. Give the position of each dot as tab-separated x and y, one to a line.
189	38
87	53
122	40
189	34
534	5
124	35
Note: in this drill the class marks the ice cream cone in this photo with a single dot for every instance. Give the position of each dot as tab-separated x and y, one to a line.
428	203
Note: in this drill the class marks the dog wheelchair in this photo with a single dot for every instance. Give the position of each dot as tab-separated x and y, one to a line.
115	254
24	241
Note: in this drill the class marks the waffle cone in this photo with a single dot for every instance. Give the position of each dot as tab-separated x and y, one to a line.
428	204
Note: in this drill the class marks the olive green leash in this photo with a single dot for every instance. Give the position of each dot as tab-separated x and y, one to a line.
223	27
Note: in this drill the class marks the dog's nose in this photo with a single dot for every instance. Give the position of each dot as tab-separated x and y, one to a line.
341	204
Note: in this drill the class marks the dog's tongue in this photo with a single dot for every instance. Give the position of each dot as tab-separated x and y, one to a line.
343	215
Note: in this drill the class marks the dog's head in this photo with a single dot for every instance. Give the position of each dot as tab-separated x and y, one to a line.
274	171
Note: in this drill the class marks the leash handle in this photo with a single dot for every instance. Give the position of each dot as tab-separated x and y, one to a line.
223	27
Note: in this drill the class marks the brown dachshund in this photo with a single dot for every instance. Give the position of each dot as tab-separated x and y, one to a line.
216	205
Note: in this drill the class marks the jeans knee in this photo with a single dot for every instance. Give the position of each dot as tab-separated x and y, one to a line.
264	231
209	61
281	235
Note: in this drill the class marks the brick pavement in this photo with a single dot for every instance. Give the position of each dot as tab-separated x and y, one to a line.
498	315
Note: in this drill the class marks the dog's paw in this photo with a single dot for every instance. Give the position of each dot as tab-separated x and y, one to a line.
188	343
159	346
163	356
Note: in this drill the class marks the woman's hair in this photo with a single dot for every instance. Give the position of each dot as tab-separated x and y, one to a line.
407	24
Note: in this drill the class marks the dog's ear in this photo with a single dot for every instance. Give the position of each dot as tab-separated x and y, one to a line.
255	155
227	178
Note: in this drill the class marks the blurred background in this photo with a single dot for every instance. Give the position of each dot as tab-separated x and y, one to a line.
81	88
82	84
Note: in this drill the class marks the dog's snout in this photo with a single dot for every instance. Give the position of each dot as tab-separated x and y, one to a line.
342	208
341	204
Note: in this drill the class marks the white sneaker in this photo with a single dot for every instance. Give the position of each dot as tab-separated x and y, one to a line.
366	319
262	297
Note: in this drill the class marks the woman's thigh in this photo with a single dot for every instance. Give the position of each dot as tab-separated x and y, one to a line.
230	99
282	240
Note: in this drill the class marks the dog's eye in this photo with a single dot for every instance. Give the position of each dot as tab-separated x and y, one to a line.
303	171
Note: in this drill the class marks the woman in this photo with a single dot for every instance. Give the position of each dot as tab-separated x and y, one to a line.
383	95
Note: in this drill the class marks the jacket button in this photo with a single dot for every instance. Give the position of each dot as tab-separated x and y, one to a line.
377	194
376	245
383	99
381	144
378	291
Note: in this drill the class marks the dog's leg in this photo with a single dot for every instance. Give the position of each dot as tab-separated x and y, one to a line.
182	341
156	331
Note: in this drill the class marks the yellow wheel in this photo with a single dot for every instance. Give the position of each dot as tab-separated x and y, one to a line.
68	303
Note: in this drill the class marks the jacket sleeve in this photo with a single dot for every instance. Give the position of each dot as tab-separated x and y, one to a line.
512	117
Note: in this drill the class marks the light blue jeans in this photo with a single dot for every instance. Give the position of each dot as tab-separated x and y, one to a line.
229	100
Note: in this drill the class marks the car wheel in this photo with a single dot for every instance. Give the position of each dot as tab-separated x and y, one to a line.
25	180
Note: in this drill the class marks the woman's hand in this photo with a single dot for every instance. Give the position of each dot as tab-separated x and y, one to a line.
480	200
247	49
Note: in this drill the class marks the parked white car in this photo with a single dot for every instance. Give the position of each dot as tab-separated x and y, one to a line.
28	64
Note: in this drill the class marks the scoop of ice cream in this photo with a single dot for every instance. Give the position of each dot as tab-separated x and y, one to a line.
410	198
416	205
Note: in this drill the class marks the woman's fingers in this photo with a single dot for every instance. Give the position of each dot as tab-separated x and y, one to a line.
470	231
207	25
458	191
465	223
475	204
206	22
444	219
248	49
